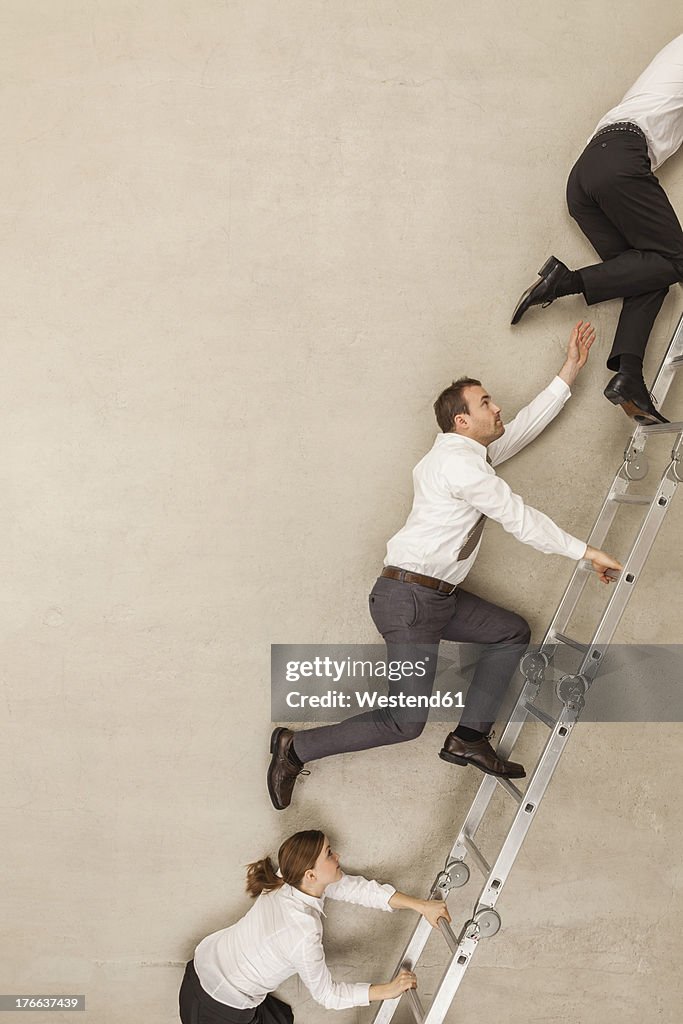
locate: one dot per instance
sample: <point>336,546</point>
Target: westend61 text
<point>372,699</point>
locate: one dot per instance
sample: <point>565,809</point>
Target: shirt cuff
<point>389,890</point>
<point>577,548</point>
<point>361,994</point>
<point>560,388</point>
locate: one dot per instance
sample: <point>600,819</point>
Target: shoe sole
<point>454,759</point>
<point>522,306</point>
<point>632,410</point>
<point>273,748</point>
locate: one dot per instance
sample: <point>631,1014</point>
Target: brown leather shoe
<point>284,768</point>
<point>480,754</point>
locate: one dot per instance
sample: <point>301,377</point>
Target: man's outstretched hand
<point>602,562</point>
<point>580,341</point>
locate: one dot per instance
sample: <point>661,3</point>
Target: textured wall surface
<point>246,242</point>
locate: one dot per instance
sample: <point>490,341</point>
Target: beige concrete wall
<point>245,244</point>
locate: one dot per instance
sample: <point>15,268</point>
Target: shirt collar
<point>460,441</point>
<point>303,897</point>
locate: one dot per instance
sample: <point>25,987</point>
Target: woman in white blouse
<point>235,970</point>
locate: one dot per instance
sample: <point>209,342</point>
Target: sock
<point>569,284</point>
<point>468,735</point>
<point>632,365</point>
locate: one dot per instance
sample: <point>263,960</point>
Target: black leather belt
<point>621,126</point>
<point>392,572</point>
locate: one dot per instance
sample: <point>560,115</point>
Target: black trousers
<point>413,619</point>
<point>625,213</point>
<point>198,1007</point>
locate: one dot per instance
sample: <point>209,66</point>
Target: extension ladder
<point>571,691</point>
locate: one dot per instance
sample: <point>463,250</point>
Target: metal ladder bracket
<point>455,874</point>
<point>636,465</point>
<point>571,690</point>
<point>677,460</point>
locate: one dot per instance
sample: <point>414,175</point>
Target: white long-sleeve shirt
<point>454,484</point>
<point>655,103</point>
<point>282,935</point>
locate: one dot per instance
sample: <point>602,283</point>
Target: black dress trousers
<point>625,213</point>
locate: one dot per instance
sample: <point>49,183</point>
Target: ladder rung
<point>631,499</point>
<point>540,715</point>
<point>571,643</point>
<point>661,428</point>
<point>676,362</point>
<point>510,788</point>
<point>477,856</point>
<point>415,1005</point>
<point>448,934</point>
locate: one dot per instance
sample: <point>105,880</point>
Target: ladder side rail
<point>581,573</point>
<point>409,958</point>
<point>603,635</point>
<point>488,784</point>
<point>666,371</point>
<point>620,484</point>
<point>386,1011</point>
<point>636,560</point>
<point>538,784</point>
<point>487,787</point>
<point>450,980</point>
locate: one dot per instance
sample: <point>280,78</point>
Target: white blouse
<point>281,935</point>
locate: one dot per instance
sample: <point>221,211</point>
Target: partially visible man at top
<point>615,198</point>
<point>418,600</point>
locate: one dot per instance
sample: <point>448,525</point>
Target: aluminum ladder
<point>571,691</point>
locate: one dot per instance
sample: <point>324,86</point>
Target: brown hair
<point>296,855</point>
<point>451,402</point>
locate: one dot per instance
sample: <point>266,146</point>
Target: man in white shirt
<point>417,601</point>
<point>615,198</point>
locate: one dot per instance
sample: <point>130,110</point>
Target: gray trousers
<point>413,619</point>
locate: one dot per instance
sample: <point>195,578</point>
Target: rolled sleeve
<point>362,891</point>
<point>559,388</point>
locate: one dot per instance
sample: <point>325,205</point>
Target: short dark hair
<point>451,402</point>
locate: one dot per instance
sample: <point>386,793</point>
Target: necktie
<point>474,536</point>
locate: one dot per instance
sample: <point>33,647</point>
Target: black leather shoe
<point>631,394</point>
<point>284,768</point>
<point>542,292</point>
<point>480,754</point>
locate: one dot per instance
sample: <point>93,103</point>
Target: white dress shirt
<point>454,484</point>
<point>655,103</point>
<point>282,935</point>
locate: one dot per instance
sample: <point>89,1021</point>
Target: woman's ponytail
<point>262,877</point>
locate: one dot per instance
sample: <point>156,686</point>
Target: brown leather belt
<point>392,572</point>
